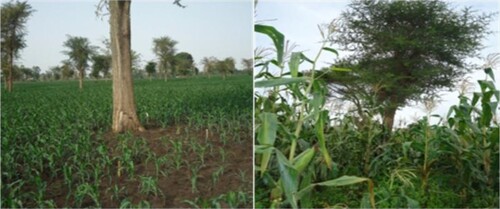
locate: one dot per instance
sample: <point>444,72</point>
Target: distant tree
<point>67,70</point>
<point>209,65</point>
<point>56,72</point>
<point>23,73</point>
<point>150,69</point>
<point>14,16</point>
<point>36,72</point>
<point>405,49</point>
<point>164,49</point>
<point>100,64</point>
<point>184,63</point>
<point>80,52</point>
<point>247,64</point>
<point>226,66</point>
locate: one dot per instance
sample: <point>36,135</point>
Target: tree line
<point>82,56</point>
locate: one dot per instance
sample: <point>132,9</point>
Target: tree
<point>56,72</point>
<point>124,108</point>
<point>150,69</point>
<point>36,72</point>
<point>226,66</point>
<point>406,49</point>
<point>247,64</point>
<point>184,63</point>
<point>14,16</point>
<point>164,49</point>
<point>209,65</point>
<point>67,70</point>
<point>80,52</point>
<point>100,63</point>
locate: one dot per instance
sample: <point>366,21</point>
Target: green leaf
<point>343,181</point>
<point>489,71</point>
<point>411,203</point>
<point>331,50</point>
<point>321,138</point>
<point>486,84</point>
<point>289,177</point>
<point>294,63</point>
<point>266,136</point>
<point>277,37</point>
<point>340,69</point>
<point>305,58</point>
<point>279,81</point>
<point>302,160</point>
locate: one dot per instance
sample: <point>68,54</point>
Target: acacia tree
<point>14,16</point>
<point>404,50</point>
<point>164,49</point>
<point>80,53</point>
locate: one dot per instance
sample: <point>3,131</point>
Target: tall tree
<point>80,52</point>
<point>124,108</point>
<point>14,16</point>
<point>403,50</point>
<point>164,49</point>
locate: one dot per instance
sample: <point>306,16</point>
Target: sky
<point>298,21</point>
<point>204,28</point>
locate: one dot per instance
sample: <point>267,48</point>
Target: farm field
<point>311,152</point>
<point>58,150</point>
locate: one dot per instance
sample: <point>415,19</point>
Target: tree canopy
<point>404,50</point>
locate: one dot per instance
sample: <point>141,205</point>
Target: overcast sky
<point>204,28</point>
<point>298,21</point>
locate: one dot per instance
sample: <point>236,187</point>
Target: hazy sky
<point>298,21</point>
<point>203,28</point>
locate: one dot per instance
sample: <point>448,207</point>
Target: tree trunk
<point>124,110</point>
<point>80,72</point>
<point>389,113</point>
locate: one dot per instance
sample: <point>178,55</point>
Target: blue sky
<point>203,28</point>
<point>298,21</point>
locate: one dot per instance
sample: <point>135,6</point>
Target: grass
<point>57,145</point>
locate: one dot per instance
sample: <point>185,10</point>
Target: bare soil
<point>176,186</point>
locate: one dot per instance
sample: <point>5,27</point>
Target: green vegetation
<point>309,157</point>
<point>58,149</point>
<point>404,51</point>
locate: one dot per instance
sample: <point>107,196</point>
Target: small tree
<point>164,49</point>
<point>247,64</point>
<point>184,63</point>
<point>209,65</point>
<point>226,66</point>
<point>405,49</point>
<point>80,52</point>
<point>100,64</point>
<point>150,69</point>
<point>14,16</point>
